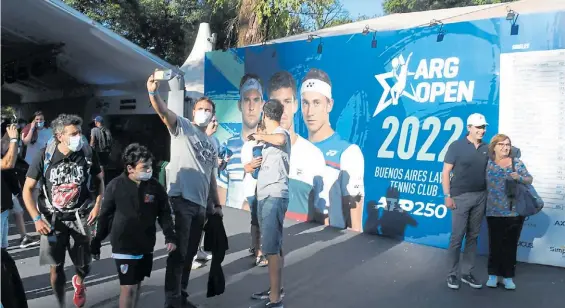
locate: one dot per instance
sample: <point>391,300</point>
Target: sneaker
<point>203,255</point>
<point>251,251</point>
<point>492,281</point>
<point>197,264</point>
<point>267,304</point>
<point>28,241</point>
<point>265,295</point>
<point>509,284</point>
<point>453,282</point>
<point>470,280</point>
<point>80,292</point>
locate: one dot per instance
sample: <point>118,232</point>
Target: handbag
<point>523,196</point>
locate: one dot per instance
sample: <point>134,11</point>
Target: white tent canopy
<point>193,67</point>
<point>95,57</point>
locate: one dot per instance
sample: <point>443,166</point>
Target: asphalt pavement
<point>324,267</point>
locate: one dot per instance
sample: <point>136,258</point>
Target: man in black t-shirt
<point>67,203</point>
<point>465,191</point>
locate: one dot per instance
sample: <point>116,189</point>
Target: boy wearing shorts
<point>132,203</point>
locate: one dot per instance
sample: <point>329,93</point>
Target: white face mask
<point>145,176</point>
<point>75,143</point>
<point>202,117</point>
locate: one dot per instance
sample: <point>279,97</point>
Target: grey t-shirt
<point>273,175</point>
<point>193,159</point>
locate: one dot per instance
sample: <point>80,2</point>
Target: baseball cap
<point>476,119</point>
<point>98,119</point>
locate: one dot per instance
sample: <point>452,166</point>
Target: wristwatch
<point>447,195</point>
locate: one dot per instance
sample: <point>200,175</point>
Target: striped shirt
<point>231,178</point>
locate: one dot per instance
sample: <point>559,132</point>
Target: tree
<point>168,28</point>
<point>406,6</point>
<point>165,28</point>
<point>261,20</point>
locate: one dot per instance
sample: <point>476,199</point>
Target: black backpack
<point>105,142</point>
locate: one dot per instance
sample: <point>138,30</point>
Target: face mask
<point>145,176</point>
<point>75,143</point>
<point>40,124</point>
<point>202,117</point>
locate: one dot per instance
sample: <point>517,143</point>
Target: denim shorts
<point>270,213</point>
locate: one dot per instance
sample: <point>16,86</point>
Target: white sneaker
<point>203,255</point>
<point>197,264</point>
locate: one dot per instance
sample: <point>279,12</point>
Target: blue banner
<point>401,103</point>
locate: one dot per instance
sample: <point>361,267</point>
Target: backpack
<point>49,151</point>
<point>105,142</point>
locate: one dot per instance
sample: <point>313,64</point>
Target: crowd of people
<point>65,194</point>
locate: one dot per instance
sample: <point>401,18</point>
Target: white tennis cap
<point>476,119</point>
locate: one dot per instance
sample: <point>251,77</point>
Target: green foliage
<point>275,19</point>
<point>166,28</point>
<point>405,6</point>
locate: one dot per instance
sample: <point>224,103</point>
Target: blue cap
<point>98,119</point>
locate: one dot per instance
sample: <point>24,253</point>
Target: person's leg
<point>128,295</point>
<point>128,272</point>
<point>13,292</point>
<point>495,248</point>
<point>175,260</point>
<point>508,261</point>
<point>58,281</point>
<point>18,211</point>
<point>54,249</point>
<point>260,259</point>
<point>275,271</point>
<point>79,251</point>
<point>272,212</point>
<point>198,216</point>
<point>476,215</point>
<point>459,217</point>
<point>5,228</point>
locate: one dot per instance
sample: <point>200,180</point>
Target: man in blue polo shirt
<point>464,188</point>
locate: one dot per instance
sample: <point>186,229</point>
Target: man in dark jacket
<point>132,203</point>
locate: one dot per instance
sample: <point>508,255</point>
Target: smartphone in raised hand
<point>163,75</point>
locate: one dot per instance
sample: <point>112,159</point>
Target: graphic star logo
<point>400,73</point>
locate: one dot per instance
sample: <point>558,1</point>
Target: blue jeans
<point>4,228</point>
<point>270,213</point>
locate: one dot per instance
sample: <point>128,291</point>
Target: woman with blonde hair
<point>504,223</point>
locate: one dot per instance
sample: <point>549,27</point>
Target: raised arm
<point>276,139</point>
<point>167,116</point>
<point>9,160</point>
<point>26,139</point>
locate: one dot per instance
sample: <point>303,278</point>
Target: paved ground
<point>324,268</point>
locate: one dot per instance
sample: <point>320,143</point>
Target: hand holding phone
<point>163,75</point>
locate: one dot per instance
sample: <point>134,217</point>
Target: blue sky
<point>363,7</point>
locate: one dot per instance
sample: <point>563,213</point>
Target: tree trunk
<point>249,28</point>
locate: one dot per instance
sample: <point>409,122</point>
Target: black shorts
<point>132,272</point>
